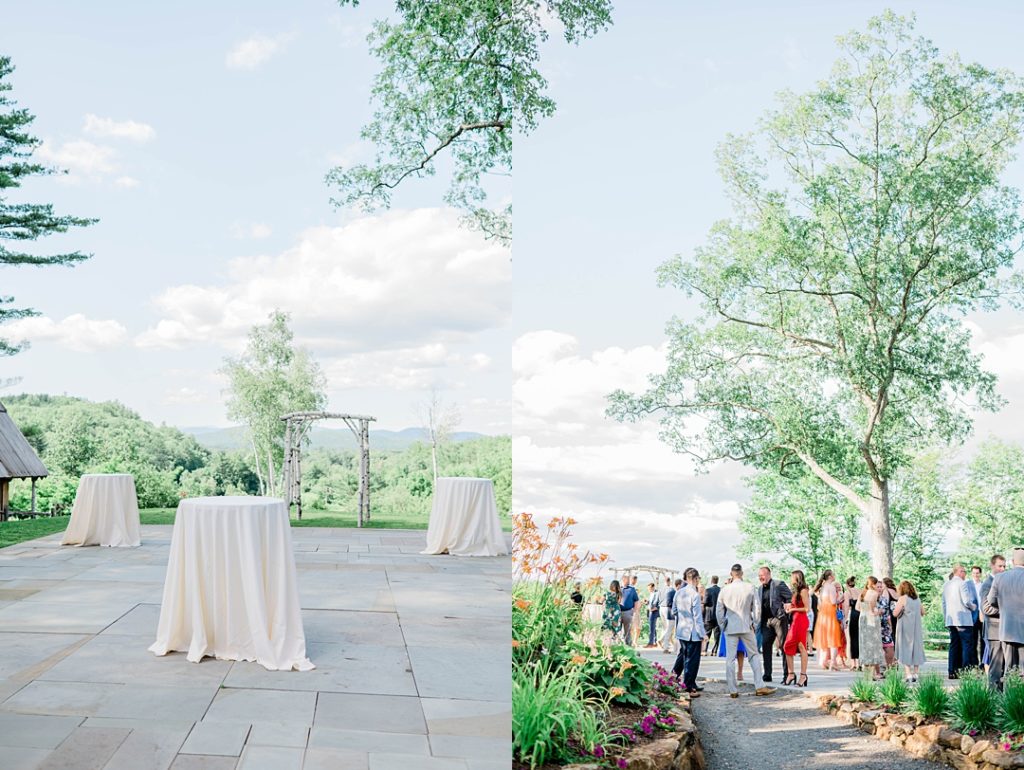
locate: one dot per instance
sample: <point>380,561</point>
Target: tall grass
<point>893,691</point>
<point>973,705</point>
<point>550,712</point>
<point>1011,715</point>
<point>929,698</point>
<point>864,689</point>
<point>544,621</point>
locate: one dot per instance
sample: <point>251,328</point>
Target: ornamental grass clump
<point>893,692</point>
<point>929,698</point>
<point>864,689</point>
<point>973,705</point>
<point>1011,713</point>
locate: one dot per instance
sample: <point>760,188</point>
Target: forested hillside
<point>75,436</point>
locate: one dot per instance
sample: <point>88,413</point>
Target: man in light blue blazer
<point>689,612</point>
<point>1007,596</point>
<point>959,603</point>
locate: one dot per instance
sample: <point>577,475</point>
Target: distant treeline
<point>74,436</point>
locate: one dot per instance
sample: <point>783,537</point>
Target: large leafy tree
<point>21,223</point>
<point>990,500</point>
<point>272,378</point>
<point>456,80</point>
<point>869,217</point>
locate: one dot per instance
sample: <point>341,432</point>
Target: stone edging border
<point>936,742</point>
<point>680,749</point>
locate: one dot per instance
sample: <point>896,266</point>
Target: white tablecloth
<point>464,519</point>
<point>231,591</point>
<point>106,512</point>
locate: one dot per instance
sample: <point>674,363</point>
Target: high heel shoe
<point>789,680</point>
<point>802,681</point>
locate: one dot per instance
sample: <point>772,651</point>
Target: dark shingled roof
<point>17,458</point>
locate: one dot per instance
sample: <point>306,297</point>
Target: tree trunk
<point>881,529</point>
<point>433,456</point>
<point>256,462</point>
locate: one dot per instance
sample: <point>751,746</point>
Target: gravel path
<point>787,731</point>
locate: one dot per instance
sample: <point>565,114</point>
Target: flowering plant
<point>551,557</point>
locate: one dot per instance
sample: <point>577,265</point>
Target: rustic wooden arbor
<point>296,426</point>
<point>658,574</point>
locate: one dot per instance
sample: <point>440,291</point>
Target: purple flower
<point>621,763</point>
<point>599,751</point>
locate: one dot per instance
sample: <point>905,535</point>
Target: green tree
<point>23,222</point>
<point>990,500</point>
<point>272,378</point>
<point>813,528</point>
<point>72,445</point>
<point>868,219</point>
<point>456,80</point>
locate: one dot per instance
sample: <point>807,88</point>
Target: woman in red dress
<point>796,639</point>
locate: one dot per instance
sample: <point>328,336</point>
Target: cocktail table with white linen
<point>231,591</point>
<point>106,512</point>
<point>464,519</point>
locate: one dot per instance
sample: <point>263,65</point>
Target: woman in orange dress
<point>828,631</point>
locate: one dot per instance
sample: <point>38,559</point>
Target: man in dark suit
<point>772,595</point>
<point>991,624</point>
<point>710,621</point>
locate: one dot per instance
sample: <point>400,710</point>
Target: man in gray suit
<point>739,612</point>
<point>958,607</point>
<point>1007,596</point>
<point>990,624</point>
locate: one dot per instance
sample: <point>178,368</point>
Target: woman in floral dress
<point>611,618</point>
<point>871,656</point>
<point>885,606</point>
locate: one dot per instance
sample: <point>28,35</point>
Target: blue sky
<point>199,134</point>
<point>622,179</point>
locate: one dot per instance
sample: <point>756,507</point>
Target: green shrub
<point>893,692</point>
<point>1011,713</point>
<point>864,689</point>
<point>544,620</point>
<point>929,698</point>
<point>973,705</point>
<point>616,672</point>
<point>552,718</point>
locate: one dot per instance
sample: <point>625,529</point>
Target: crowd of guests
<point>870,626</point>
<point>849,626</point>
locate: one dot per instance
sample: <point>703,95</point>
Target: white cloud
<point>632,495</point>
<point>124,129</point>
<point>405,369</point>
<point>395,281</point>
<point>185,395</point>
<point>75,332</point>
<point>254,51</point>
<point>253,230</point>
<point>81,158</point>
<point>127,182</point>
<point>710,65</point>
<point>352,35</point>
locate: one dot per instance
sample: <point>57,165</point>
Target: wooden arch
<point>296,426</point>
<point>657,573</point>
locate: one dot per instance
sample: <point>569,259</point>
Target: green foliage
<point>544,620</point>
<point>831,332</point>
<point>24,222</point>
<point>864,688</point>
<point>551,712</point>
<point>990,500</point>
<point>457,80</point>
<point>893,691</point>
<point>615,670</point>
<point>272,378</point>
<point>930,697</point>
<point>973,705</point>
<point>1011,712</point>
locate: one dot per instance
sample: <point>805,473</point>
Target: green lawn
<point>12,532</point>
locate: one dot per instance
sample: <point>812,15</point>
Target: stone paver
<point>412,655</point>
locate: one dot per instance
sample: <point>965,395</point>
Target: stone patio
<point>412,653</point>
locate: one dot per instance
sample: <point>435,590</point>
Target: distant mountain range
<point>323,438</point>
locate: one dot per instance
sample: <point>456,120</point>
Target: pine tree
<point>21,222</point>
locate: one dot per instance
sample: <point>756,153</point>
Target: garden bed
<point>965,728</point>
